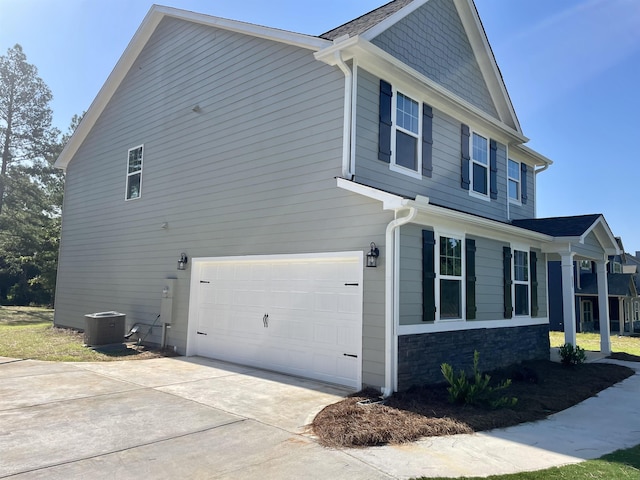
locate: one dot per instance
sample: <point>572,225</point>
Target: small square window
<point>407,113</point>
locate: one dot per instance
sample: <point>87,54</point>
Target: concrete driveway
<point>189,418</point>
<point>194,418</point>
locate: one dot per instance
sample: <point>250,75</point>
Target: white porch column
<point>568,299</point>
<point>603,307</point>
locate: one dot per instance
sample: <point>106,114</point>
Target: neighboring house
<point>622,287</point>
<point>275,161</point>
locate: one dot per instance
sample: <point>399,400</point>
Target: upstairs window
<point>521,281</point>
<point>407,136</point>
<point>405,133</point>
<point>134,173</point>
<point>514,181</point>
<point>479,164</point>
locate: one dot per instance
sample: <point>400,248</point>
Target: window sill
<point>479,196</point>
<point>405,171</point>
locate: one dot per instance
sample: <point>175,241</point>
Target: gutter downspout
<point>346,129</point>
<point>390,298</point>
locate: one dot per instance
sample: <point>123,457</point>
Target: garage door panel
<point>314,310</point>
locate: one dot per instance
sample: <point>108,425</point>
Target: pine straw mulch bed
<point>541,387</point>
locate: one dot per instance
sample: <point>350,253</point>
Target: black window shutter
<point>427,140</point>
<point>523,183</point>
<point>533,271</point>
<point>384,132</point>
<point>428,277</point>
<point>506,262</point>
<point>470,263</point>
<point>493,166</point>
<point>464,144</point>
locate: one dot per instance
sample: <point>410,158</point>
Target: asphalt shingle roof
<point>619,284</point>
<point>366,21</point>
<point>559,226</point>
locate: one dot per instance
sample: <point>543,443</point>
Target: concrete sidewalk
<point>195,418</point>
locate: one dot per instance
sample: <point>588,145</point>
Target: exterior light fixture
<point>182,261</point>
<point>372,256</point>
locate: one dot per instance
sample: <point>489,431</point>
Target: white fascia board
<point>604,235</point>
<point>486,61</point>
<point>384,65</point>
<point>137,43</point>
<point>534,157</point>
<point>140,39</point>
<point>268,33</point>
<point>389,200</point>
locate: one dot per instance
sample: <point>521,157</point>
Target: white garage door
<point>298,314</point>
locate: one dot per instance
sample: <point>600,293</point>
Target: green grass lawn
<point>619,465</point>
<point>591,341</point>
<point>28,333</point>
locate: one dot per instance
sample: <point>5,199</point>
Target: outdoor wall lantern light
<point>182,261</point>
<point>372,256</point>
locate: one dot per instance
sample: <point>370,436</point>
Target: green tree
<point>25,116</point>
<point>30,187</point>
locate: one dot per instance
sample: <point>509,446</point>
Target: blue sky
<point>572,69</point>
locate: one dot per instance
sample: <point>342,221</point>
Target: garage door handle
<point>350,355</point>
<point>201,333</point>
<point>350,284</point>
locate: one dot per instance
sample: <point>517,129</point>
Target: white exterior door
<point>298,314</point>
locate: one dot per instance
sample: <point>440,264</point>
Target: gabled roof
<point>143,34</point>
<point>370,25</point>
<point>361,31</point>
<point>574,226</point>
<point>573,231</point>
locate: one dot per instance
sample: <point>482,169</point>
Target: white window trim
<point>126,185</point>
<point>463,283</point>
<point>527,249</point>
<point>393,166</point>
<point>487,167</point>
<point>514,201</point>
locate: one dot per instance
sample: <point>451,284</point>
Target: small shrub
<point>478,391</point>
<point>570,355</point>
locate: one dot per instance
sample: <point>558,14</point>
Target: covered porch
<point>577,240</point>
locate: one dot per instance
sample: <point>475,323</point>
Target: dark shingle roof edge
<point>571,226</point>
<point>366,21</point>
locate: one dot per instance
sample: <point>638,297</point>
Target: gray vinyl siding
<point>490,279</point>
<point>251,173</point>
<point>489,275</point>
<point>591,248</point>
<point>444,187</point>
<point>518,211</point>
<point>432,40</point>
<point>411,274</point>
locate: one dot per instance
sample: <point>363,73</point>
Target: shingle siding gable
<point>432,40</point>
